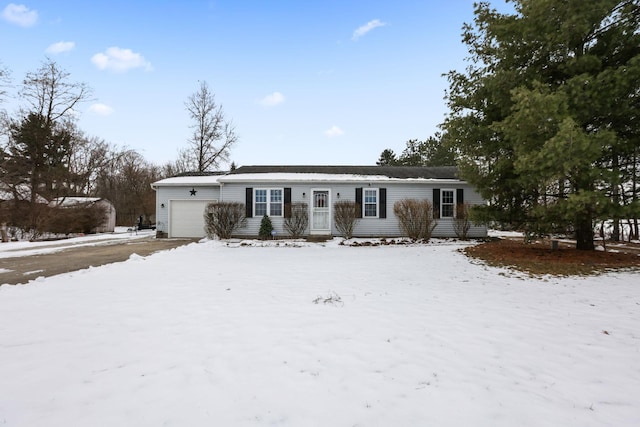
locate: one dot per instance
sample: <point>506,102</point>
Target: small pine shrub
<point>266,227</point>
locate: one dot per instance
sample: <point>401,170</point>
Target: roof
<point>400,172</point>
<point>316,174</point>
<point>73,201</point>
<point>188,180</point>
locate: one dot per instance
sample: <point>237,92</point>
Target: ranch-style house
<point>181,201</point>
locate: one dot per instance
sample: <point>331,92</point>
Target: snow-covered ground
<point>300,334</point>
<point>27,248</point>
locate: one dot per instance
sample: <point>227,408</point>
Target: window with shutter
<point>268,201</point>
<point>447,203</point>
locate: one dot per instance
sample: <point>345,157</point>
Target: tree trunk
<point>615,193</point>
<point>584,232</point>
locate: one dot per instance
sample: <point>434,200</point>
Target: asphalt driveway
<point>22,269</point>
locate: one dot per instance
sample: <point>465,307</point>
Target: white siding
<point>237,193</point>
<point>445,225</point>
<point>366,227</point>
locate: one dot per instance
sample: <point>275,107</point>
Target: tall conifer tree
<point>546,115</point>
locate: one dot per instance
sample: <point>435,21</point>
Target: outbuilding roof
<point>68,201</point>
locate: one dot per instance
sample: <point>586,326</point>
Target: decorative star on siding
<point>193,191</point>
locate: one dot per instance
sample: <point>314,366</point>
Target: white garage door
<point>186,218</point>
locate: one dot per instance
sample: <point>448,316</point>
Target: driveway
<point>22,265</point>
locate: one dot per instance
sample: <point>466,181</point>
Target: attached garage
<point>186,218</point>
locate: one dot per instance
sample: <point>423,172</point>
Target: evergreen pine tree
<point>266,227</point>
<point>544,118</point>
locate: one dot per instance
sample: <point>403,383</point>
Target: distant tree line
<point>434,151</point>
<point>44,155</point>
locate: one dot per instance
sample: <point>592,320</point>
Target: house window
<point>447,204</point>
<point>275,202</point>
<point>370,202</point>
<point>268,201</point>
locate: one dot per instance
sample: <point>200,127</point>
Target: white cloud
<point>20,14</point>
<point>101,109</point>
<point>334,131</point>
<point>364,29</point>
<point>120,60</point>
<point>272,100</point>
<point>61,47</point>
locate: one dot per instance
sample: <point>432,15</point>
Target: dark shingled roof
<point>438,172</point>
<point>195,173</point>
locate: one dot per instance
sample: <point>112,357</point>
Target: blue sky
<point>304,82</point>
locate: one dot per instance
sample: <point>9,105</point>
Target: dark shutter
<point>382,213</point>
<point>287,202</point>
<point>459,202</point>
<point>359,201</point>
<point>436,203</point>
<point>249,202</point>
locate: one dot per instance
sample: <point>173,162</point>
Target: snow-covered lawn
<point>212,334</point>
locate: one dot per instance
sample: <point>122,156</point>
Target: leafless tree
<point>49,93</point>
<point>212,135</point>
<point>5,81</point>
<point>126,182</point>
<point>88,158</point>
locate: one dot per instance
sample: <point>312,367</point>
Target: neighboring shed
<point>180,201</point>
<point>109,222</point>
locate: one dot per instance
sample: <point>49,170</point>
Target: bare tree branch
<point>212,136</point>
<point>50,94</point>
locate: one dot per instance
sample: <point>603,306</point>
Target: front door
<point>320,212</point>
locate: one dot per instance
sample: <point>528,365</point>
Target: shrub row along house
<point>273,190</point>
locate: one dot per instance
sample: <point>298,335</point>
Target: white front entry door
<point>320,212</point>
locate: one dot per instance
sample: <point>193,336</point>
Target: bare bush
<point>332,298</point>
<point>77,219</point>
<point>346,213</point>
<point>416,218</point>
<point>462,222</point>
<point>222,219</point>
<point>297,220</point>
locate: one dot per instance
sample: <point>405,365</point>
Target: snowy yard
<point>216,335</point>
